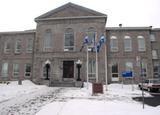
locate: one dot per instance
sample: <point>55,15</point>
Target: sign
<point>127,74</point>
<point>97,88</point>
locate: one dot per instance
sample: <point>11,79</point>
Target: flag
<point>99,44</point>
<point>85,41</point>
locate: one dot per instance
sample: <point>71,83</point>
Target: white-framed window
<point>144,69</point>
<point>92,68</point>
<point>47,40</point>
<point>4,71</point>
<point>152,38</point>
<point>156,69</point>
<point>18,46</point>
<point>91,33</point>
<point>127,44</point>
<point>69,40</point>
<point>29,45</point>
<point>141,43</point>
<point>15,70</point>
<point>28,69</point>
<point>114,72</point>
<point>129,66</point>
<point>113,44</point>
<point>154,54</point>
<point>7,47</point>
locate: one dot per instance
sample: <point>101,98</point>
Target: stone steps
<point>62,84</point>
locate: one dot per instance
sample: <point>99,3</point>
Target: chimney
<point>120,25</point>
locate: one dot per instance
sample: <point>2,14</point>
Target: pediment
<point>70,10</point>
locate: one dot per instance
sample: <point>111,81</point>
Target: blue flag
<point>99,44</point>
<point>85,41</point>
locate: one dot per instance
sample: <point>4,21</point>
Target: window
<point>92,38</point>
<point>129,66</point>
<point>114,44</point>
<point>154,54</point>
<point>127,43</point>
<point>7,47</point>
<point>114,72</point>
<point>18,46</point>
<point>152,38</point>
<point>47,40</point>
<point>28,70</point>
<point>15,70</point>
<point>144,69</point>
<point>141,43</point>
<point>4,72</point>
<point>156,69</point>
<point>92,68</point>
<point>29,45</point>
<point>69,40</point>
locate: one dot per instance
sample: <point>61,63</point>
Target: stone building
<point>57,41</point>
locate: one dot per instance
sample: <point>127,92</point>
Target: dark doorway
<point>68,69</point>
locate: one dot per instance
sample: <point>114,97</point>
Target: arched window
<point>7,47</point>
<point>113,44</point>
<point>141,43</point>
<point>47,39</point>
<point>127,43</point>
<point>69,40</point>
<point>91,33</point>
<point>18,46</point>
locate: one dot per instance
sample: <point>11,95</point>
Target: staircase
<point>62,84</point>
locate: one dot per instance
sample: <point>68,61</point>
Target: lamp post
<point>139,60</point>
<point>47,64</point>
<point>78,65</point>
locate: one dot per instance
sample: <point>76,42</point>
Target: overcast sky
<point>17,15</point>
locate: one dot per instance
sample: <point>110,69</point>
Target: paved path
<point>152,101</point>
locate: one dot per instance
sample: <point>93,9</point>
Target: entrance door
<point>68,69</point>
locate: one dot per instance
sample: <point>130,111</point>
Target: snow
<point>94,107</point>
<point>31,99</point>
<point>116,101</point>
<point>13,89</point>
<point>25,99</point>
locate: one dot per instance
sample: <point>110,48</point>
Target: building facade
<point>58,39</point>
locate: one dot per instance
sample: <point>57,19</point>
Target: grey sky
<point>17,15</point>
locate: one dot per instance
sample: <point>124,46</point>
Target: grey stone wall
<point>11,57</point>
<point>121,56</point>
<point>57,55</point>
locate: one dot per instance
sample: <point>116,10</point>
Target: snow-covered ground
<point>25,99</point>
<point>31,99</point>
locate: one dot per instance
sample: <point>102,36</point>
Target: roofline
<point>156,29</point>
<point>128,28</point>
<point>19,32</point>
<point>65,18</point>
<point>66,5</point>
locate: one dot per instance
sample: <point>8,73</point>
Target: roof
<point>72,10</point>
<point>128,28</point>
<point>19,32</point>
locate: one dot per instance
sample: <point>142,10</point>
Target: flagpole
<point>87,66</point>
<point>96,66</point>
<point>105,53</point>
